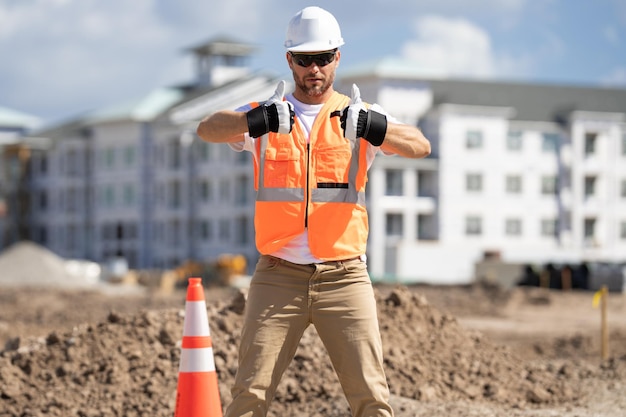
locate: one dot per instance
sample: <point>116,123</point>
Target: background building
<point>15,152</point>
<point>531,173</point>
<point>129,182</point>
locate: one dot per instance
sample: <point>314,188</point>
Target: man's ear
<point>289,61</point>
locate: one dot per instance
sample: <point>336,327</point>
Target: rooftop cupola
<point>221,60</point>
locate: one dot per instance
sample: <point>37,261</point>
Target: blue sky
<point>61,58</point>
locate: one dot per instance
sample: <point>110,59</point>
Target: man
<point>311,153</point>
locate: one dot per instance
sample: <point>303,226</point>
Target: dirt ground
<point>450,351</point>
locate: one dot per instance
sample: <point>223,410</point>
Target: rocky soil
<point>450,351</point>
<point>89,353</point>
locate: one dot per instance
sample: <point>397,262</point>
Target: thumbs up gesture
<point>359,122</point>
<point>274,115</point>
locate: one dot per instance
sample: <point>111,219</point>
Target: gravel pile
<point>29,264</point>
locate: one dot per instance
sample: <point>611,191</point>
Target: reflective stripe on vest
<point>318,195</point>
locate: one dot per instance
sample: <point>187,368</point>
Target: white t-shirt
<point>297,249</point>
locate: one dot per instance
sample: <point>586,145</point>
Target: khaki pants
<point>284,298</point>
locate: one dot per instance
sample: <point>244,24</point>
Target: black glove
<point>371,125</point>
<point>359,122</point>
<point>275,115</point>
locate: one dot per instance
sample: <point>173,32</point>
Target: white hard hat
<point>313,29</point>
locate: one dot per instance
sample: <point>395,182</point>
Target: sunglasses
<point>321,60</point>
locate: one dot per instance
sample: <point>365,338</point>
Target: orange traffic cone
<point>197,394</point>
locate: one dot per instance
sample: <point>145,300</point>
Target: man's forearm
<point>405,140</point>
<point>223,127</point>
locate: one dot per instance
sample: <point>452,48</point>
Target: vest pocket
<point>281,167</point>
<point>333,165</point>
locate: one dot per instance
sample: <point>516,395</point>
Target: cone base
<point>198,395</point>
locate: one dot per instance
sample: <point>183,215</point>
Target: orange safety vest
<point>319,186</point>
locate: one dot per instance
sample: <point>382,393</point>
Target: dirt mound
<point>127,365</point>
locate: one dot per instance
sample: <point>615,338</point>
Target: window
<point>590,143</point>
<point>206,230</point>
<point>513,227</point>
<point>624,144</point>
<point>71,163</point>
<point>426,227</point>
<point>224,229</point>
<point>623,190</point>
<point>108,196</point>
<point>548,185</point>
<point>225,191</point>
<point>71,204</point>
<point>393,182</point>
<point>174,154</point>
<point>205,151</point>
<point>514,141</point>
<point>513,184</point>
<point>159,231</point>
<point>623,230</point>
<point>242,230</point>
<point>206,191</point>
<point>130,156</point>
<point>160,197</point>
<point>119,231</point>
<point>474,182</point>
<point>549,227</point>
<point>129,195</point>
<point>104,232</point>
<point>43,199</point>
<point>426,183</point>
<point>474,139</point>
<point>72,238</point>
<point>241,190</point>
<point>108,158</point>
<point>175,194</point>
<point>550,142</point>
<point>131,230</point>
<point>42,234</point>
<point>175,233</point>
<point>590,227</point>
<point>43,164</point>
<point>590,186</point>
<point>394,224</point>
<point>473,226</point>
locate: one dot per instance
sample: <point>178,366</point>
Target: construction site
<point>79,346</point>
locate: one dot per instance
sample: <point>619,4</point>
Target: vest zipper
<point>306,190</point>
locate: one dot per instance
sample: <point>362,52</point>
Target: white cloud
<point>68,56</point>
<point>478,7</point>
<point>81,54</point>
<point>457,47</point>
<point>75,55</point>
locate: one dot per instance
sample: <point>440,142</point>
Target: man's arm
<point>223,127</point>
<point>227,126</point>
<point>405,140</point>
<point>369,123</point>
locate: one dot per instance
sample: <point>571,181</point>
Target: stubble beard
<point>316,90</point>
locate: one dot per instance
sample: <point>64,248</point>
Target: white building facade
<point>534,173</point>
